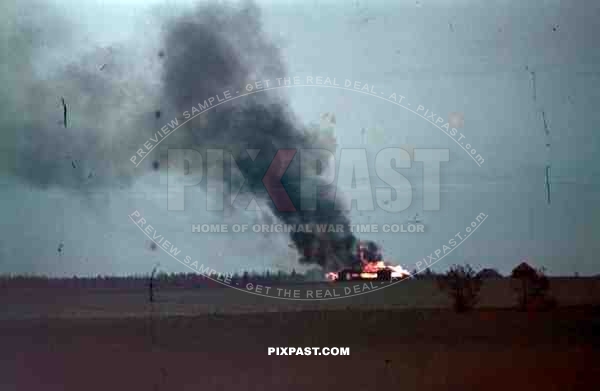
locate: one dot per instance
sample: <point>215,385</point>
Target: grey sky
<point>449,56</point>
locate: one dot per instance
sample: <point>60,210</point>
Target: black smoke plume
<point>222,47</point>
<point>72,116</point>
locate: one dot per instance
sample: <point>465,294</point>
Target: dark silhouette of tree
<point>462,285</point>
<point>531,286</point>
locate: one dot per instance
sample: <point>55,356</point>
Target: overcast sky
<point>501,66</point>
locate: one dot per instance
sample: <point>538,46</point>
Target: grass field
<point>218,340</point>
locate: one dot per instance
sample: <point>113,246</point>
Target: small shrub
<point>462,285</point>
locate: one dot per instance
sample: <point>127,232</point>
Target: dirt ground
<point>432,349</point>
<point>18,302</point>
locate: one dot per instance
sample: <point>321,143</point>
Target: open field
<point>407,349</point>
<point>24,303</point>
<point>216,339</point>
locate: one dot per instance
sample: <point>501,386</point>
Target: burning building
<point>369,265</point>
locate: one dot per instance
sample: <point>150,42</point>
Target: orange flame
<point>370,269</point>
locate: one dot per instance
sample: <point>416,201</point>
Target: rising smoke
<point>106,94</point>
<point>113,96</point>
<point>215,48</point>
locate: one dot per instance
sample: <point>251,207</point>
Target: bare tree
<point>462,284</point>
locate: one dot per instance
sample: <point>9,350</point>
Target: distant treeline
<point>194,280</point>
<point>161,280</point>
<point>181,280</point>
